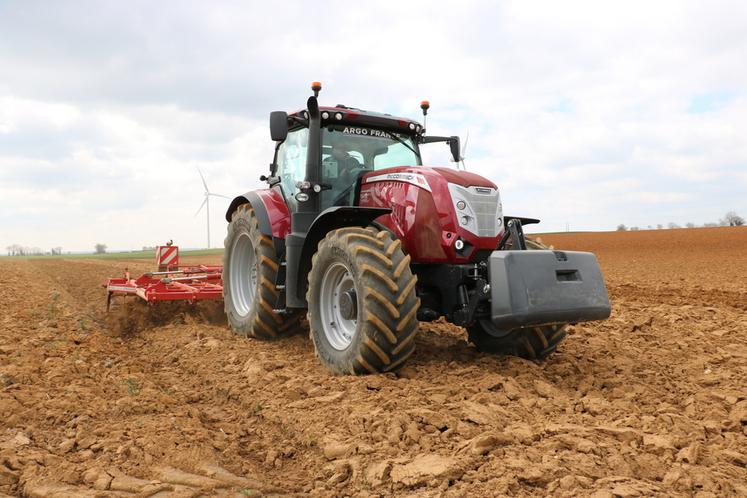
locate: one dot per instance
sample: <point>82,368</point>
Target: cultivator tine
<point>108,301</point>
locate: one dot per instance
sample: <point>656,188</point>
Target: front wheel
<point>362,302</point>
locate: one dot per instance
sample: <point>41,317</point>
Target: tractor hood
<point>463,178</point>
<point>424,176</point>
<point>433,208</point>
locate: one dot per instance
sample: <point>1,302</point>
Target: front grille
<point>486,212</point>
<point>485,206</point>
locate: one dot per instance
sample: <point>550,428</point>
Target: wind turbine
<point>206,203</point>
<point>463,152</point>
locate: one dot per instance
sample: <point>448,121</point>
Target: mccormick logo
<point>401,176</point>
<point>416,179</point>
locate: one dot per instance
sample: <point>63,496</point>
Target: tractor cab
<point>353,142</point>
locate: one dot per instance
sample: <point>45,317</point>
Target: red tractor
<point>357,235</point>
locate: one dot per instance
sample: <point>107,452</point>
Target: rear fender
<point>269,208</point>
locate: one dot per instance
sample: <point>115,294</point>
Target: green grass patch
<point>133,388</point>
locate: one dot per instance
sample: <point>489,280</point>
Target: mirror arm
<point>274,163</point>
<point>299,120</point>
<point>432,139</point>
<point>452,141</point>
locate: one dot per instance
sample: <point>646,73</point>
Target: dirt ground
<point>652,401</point>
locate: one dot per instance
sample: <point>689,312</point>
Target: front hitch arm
<point>516,233</point>
<point>466,314</point>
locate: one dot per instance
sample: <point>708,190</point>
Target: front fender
<point>328,220</point>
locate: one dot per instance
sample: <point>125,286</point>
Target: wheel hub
<point>348,305</point>
<point>242,274</point>
<point>338,306</point>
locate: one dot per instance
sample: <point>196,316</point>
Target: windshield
<point>373,149</point>
<point>349,151</point>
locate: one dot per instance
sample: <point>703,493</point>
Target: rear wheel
<point>535,343</point>
<point>250,266</point>
<point>362,302</point>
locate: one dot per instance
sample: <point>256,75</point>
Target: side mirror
<point>278,125</point>
<point>455,149</point>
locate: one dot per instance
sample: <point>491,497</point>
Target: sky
<point>586,114</point>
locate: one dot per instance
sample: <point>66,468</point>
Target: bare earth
<point>651,402</point>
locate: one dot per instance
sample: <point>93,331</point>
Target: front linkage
<point>516,288</point>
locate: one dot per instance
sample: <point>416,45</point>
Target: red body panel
<point>423,216</point>
<point>277,211</point>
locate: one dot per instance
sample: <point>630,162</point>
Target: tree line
<point>18,250</point>
<point>731,219</point>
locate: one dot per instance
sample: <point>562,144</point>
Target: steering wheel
<point>354,174</point>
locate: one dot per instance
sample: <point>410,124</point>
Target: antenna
<point>206,204</point>
<point>425,105</point>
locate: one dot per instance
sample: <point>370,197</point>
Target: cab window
<point>292,163</point>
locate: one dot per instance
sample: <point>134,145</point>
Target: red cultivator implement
<point>171,282</point>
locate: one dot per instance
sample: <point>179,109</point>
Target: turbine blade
<point>219,195</point>
<point>201,206</point>
<point>203,179</point>
<point>463,153</point>
<point>464,145</point>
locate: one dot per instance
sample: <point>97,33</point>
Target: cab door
<point>291,163</point>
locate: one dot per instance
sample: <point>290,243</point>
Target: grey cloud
<point>156,53</point>
<point>161,87</point>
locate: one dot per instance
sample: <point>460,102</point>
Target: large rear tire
<point>250,266</point>
<point>362,302</point>
<point>535,343</point>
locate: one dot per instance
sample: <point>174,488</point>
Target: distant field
<point>122,255</point>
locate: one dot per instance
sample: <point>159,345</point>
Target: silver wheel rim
<point>338,330</point>
<point>243,272</point>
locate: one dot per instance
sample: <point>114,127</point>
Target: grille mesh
<point>485,207</point>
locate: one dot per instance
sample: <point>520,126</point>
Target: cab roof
<point>341,114</point>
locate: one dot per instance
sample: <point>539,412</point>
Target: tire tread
<point>262,322</point>
<point>387,323</point>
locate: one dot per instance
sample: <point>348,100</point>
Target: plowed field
<point>652,401</point>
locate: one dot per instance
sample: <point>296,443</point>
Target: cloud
<point>589,113</point>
